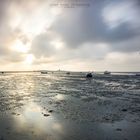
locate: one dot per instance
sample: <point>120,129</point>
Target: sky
<point>92,35</point>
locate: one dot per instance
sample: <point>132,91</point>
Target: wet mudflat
<point>57,106</point>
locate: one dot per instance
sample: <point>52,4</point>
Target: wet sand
<point>58,106</point>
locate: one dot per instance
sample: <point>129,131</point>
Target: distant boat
<point>68,73</point>
<point>137,74</point>
<point>107,72</point>
<point>2,72</point>
<point>89,75</point>
<point>44,72</point>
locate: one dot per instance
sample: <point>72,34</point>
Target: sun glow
<point>20,47</point>
<point>29,59</point>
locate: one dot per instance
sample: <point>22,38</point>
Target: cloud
<point>127,46</point>
<point>41,45</point>
<point>9,35</point>
<point>63,36</point>
<point>77,26</point>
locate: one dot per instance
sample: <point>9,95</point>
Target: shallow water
<point>57,106</point>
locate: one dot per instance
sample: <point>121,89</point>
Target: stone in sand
<point>50,111</point>
<point>124,110</point>
<point>46,115</point>
<point>118,129</point>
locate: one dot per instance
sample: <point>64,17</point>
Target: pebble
<point>124,110</point>
<point>118,129</point>
<point>46,115</point>
<point>50,111</point>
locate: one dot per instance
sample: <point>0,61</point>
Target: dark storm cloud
<point>137,3</point>
<point>87,25</point>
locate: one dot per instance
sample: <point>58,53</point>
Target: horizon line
<point>22,71</point>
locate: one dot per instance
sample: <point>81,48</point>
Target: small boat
<point>68,73</point>
<point>44,72</point>
<point>107,72</point>
<point>89,75</point>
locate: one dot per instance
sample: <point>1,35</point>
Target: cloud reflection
<point>32,119</point>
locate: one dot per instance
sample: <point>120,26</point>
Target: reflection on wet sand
<point>32,119</point>
<point>69,107</point>
<point>30,124</point>
<point>60,97</point>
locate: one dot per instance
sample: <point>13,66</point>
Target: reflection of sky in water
<point>31,125</point>
<point>33,114</point>
<point>60,97</point>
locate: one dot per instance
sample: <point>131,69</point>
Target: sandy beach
<point>58,106</point>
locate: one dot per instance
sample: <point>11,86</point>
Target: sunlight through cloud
<point>29,59</point>
<point>19,46</point>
